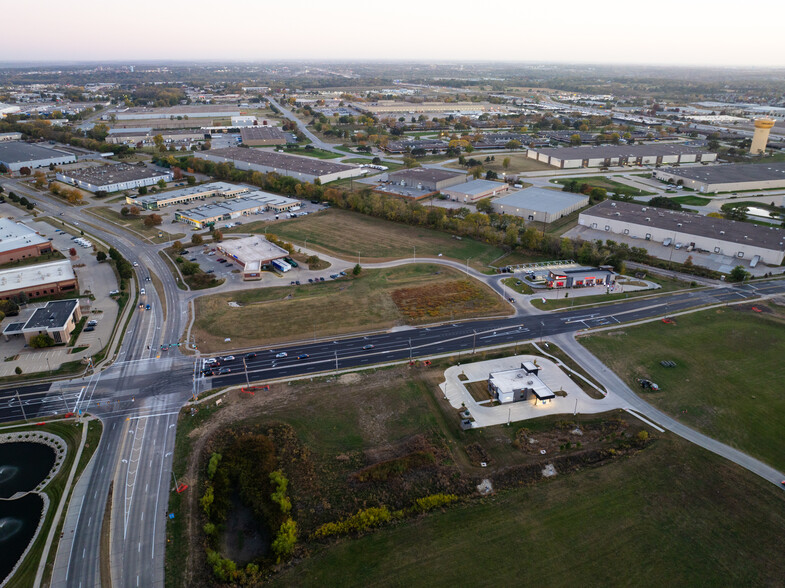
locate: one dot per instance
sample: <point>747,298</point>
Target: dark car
<point>192,259</point>
<point>310,280</point>
<point>303,356</point>
<point>147,307</point>
<point>229,265</point>
<point>369,346</point>
<point>88,329</point>
<point>321,279</point>
<point>224,370</point>
<point>206,373</point>
<point>221,260</point>
<point>210,271</point>
<point>250,355</point>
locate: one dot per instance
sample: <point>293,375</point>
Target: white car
<point>281,354</point>
<point>142,292</point>
<point>136,264</point>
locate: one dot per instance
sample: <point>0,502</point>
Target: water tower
<point>761,136</point>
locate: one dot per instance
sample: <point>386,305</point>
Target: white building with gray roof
<point>540,204</point>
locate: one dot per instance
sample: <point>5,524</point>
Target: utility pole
<point>474,341</point>
<point>19,400</point>
<point>410,349</point>
<point>336,360</point>
<point>245,367</point>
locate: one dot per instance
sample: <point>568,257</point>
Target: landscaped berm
<point>366,479</point>
<point>374,299</point>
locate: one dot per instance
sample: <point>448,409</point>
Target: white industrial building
<point>17,154</point>
<point>145,113</point>
<point>540,204</point>
<point>10,137</point>
<point>252,253</point>
<point>113,178</point>
<point>251,203</point>
<point>616,155</point>
<point>737,239</point>
<point>305,169</point>
<point>189,194</point>
<point>726,178</point>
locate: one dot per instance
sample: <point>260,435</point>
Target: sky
<point>667,32</point>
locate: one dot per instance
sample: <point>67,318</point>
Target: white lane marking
<point>73,540</point>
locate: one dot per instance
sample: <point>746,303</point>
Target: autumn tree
<point>153,220</point>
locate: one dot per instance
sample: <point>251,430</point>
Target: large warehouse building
<point>740,240</point>
<point>190,194</point>
<point>146,136</point>
<point>540,204</point>
<point>259,136</point>
<point>16,154</point>
<point>475,190</point>
<point>615,155</point>
<point>726,178</point>
<point>113,178</point>
<point>143,113</point>
<point>18,241</point>
<point>305,169</point>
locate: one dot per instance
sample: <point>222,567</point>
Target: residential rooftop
<point>687,222</point>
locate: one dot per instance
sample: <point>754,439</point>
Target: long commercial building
<point>16,154</point>
<point>740,240</point>
<point>143,113</point>
<point>726,178</point>
<point>147,136</point>
<point>475,190</point>
<point>252,203</point>
<point>305,169</point>
<point>113,178</point>
<point>184,195</point>
<point>616,155</point>
<point>18,241</point>
<point>44,279</point>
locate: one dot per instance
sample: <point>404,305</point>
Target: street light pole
<point>474,341</point>
<point>19,400</point>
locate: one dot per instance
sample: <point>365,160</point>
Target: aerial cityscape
<point>280,306</point>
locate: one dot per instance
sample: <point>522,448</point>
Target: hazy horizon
<point>670,34</point>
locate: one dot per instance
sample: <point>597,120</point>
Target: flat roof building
<point>10,137</point>
<point>727,177</point>
<point>737,239</point>
<point>190,194</point>
<point>147,136</point>
<point>57,319</point>
<point>540,204</point>
<point>250,203</point>
<point>427,178</point>
<point>615,155</point>
<point>252,252</point>
<point>16,154</point>
<point>113,178</point>
<point>305,169</point>
<point>142,113</point>
<point>519,385</point>
<point>258,136</point>
<point>475,190</point>
<point>18,241</point>
<point>44,279</point>
<point>578,278</point>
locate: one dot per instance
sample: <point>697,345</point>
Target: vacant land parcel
<point>376,299</point>
<point>728,376</point>
<point>347,234</point>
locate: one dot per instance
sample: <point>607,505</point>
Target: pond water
<point>18,522</point>
<point>23,465</point>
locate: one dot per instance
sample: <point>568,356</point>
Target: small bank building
<point>519,385</point>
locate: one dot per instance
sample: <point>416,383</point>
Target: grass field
<point>672,516</point>
<point>728,381</point>
<point>612,186</point>
<point>520,288</point>
<point>135,225</point>
<point>315,152</point>
<point>668,285</point>
<point>377,299</point>
<point>343,233</point>
<point>690,200</point>
<point>518,163</point>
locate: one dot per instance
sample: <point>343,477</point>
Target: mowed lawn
<point>519,162</point>
<point>729,378</point>
<point>673,515</point>
<point>425,293</point>
<point>344,233</point>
